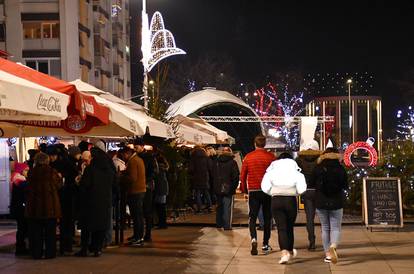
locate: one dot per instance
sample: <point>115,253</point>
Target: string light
<point>405,127</point>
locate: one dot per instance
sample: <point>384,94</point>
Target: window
<point>38,30</point>
<point>48,66</point>
<point>2,32</point>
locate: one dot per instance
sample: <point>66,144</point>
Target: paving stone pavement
<point>208,250</point>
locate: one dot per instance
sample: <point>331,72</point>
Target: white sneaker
<point>294,253</point>
<point>285,258</point>
<point>334,255</point>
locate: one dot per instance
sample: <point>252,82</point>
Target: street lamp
<point>351,135</point>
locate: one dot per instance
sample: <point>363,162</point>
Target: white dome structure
<point>197,100</point>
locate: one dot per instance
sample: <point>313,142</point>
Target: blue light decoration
<point>405,126</point>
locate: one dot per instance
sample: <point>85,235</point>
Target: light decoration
<point>270,102</point>
<point>157,44</point>
<point>367,146</point>
<point>405,127</point>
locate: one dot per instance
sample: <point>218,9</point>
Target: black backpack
<point>330,180</point>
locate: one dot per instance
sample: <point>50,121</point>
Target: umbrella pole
<point>20,156</point>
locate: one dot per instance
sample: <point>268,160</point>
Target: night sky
<point>336,37</point>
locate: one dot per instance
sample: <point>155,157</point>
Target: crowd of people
<point>82,185</point>
<point>273,185</point>
<point>79,187</point>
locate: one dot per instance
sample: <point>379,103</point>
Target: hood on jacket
<point>225,156</point>
<point>329,156</point>
<point>20,167</point>
<point>309,155</point>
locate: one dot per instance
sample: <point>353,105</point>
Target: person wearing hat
<point>151,169</point>
<point>307,161</point>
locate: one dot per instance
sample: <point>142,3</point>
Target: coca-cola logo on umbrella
<point>50,104</point>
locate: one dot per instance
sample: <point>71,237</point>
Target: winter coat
<point>329,168</point>
<point>95,191</point>
<point>42,193</point>
<point>151,168</point>
<point>199,169</point>
<point>161,181</point>
<point>253,169</point>
<point>134,176</point>
<point>307,162</point>
<point>225,174</point>
<point>18,195</point>
<point>283,178</point>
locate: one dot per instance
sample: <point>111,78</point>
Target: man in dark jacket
<point>199,170</point>
<point>307,162</point>
<point>225,182</point>
<point>96,199</point>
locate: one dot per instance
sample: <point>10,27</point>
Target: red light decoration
<point>373,156</point>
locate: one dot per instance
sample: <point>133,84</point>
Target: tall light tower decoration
<point>157,43</point>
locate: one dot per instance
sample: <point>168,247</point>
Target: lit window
<point>38,30</point>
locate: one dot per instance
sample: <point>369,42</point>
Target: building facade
<point>71,39</point>
<point>363,121</point>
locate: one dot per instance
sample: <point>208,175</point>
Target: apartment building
<point>71,39</point>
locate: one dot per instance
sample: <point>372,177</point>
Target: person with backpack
<point>331,181</point>
<point>284,182</point>
<point>225,182</point>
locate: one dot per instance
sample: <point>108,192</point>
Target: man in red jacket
<point>253,169</point>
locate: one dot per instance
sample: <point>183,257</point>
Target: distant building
<point>366,118</point>
<point>71,39</point>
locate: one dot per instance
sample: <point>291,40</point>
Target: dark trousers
<point>42,232</point>
<point>259,199</point>
<point>285,210</point>
<point>162,214</point>
<point>136,208</point>
<point>205,194</point>
<point>96,240</point>
<point>224,211</point>
<point>148,213</point>
<point>309,202</point>
<point>67,223</point>
<point>21,234</point>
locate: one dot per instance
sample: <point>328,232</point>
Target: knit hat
<point>101,145</point>
<point>20,167</point>
<point>74,150</point>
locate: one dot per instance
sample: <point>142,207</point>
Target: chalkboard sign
<point>382,202</point>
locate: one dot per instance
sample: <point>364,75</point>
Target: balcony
<point>50,43</point>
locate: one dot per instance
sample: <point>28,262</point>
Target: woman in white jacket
<point>284,181</point>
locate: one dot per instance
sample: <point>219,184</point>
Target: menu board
<point>382,202</point>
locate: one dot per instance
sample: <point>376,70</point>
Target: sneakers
<point>254,251</point>
<point>294,253</point>
<point>285,257</point>
<point>334,255</point>
<point>267,249</point>
<point>139,242</point>
<point>327,260</point>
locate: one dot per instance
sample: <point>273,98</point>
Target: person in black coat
<point>199,171</point>
<point>161,191</point>
<point>330,180</point>
<point>95,193</point>
<point>225,181</point>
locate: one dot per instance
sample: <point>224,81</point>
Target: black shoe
<point>97,253</point>
<point>254,251</point>
<point>139,242</point>
<point>81,253</point>
<point>312,247</point>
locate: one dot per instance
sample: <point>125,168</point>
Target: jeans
<point>206,195</point>
<point>42,232</point>
<point>309,202</point>
<point>331,221</point>
<point>108,232</point>
<point>224,211</point>
<point>148,213</point>
<point>259,199</point>
<point>136,208</point>
<point>285,210</point>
